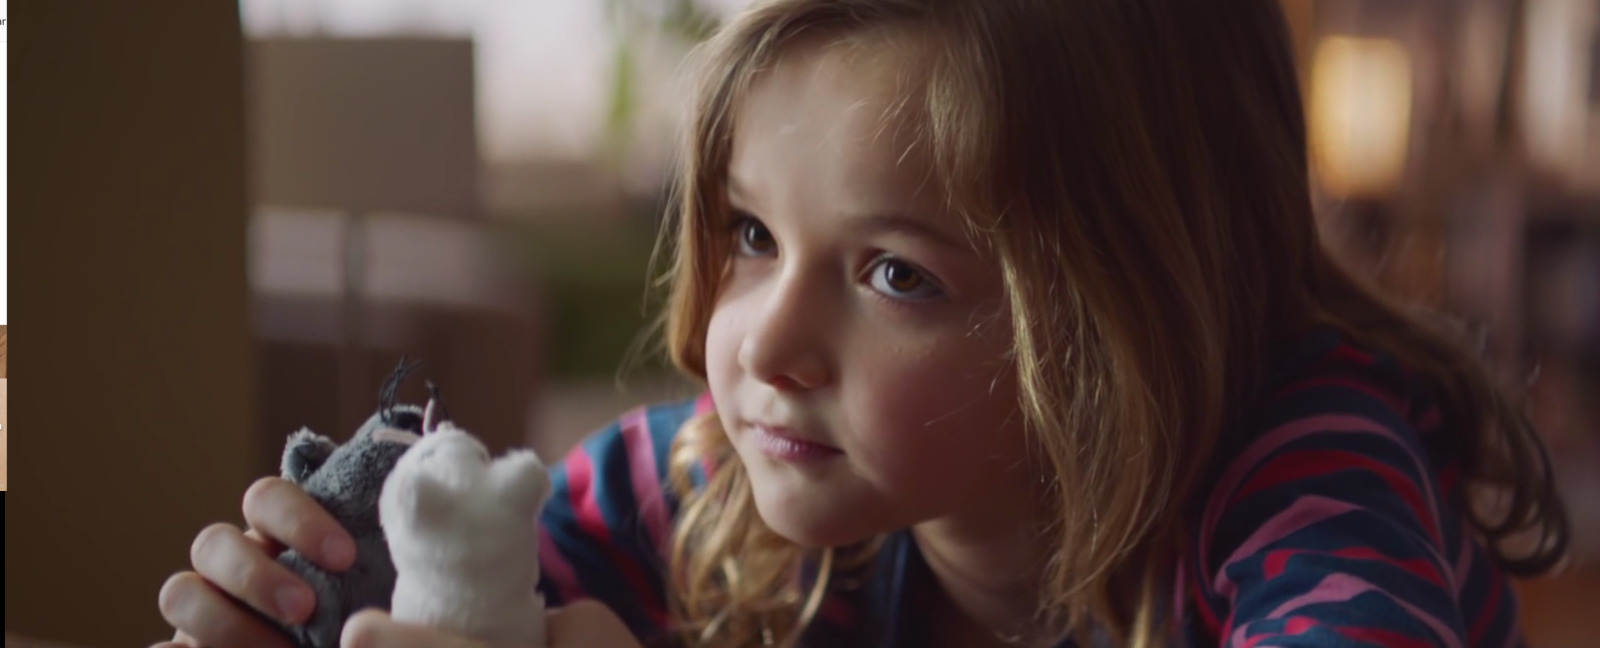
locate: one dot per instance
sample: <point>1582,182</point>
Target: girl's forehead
<point>885,75</point>
<point>837,121</point>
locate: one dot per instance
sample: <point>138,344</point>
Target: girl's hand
<point>235,570</point>
<point>585,624</point>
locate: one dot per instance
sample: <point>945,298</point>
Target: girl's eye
<point>754,238</point>
<point>902,280</point>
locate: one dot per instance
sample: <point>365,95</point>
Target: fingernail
<point>338,551</point>
<point>292,603</point>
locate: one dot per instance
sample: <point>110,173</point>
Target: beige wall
<point>128,207</point>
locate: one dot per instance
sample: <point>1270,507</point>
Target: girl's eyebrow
<point>896,223</point>
<point>735,187</point>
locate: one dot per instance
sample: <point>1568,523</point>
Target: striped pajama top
<point>1334,518</point>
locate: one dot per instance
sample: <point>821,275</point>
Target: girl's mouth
<point>784,445</point>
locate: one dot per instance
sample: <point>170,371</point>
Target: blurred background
<point>241,216</point>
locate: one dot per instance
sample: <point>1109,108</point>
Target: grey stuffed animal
<point>347,481</point>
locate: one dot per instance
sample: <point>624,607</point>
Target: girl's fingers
<point>235,564</point>
<point>183,640</point>
<point>587,624</point>
<point>206,616</point>
<point>279,511</point>
<point>375,629</point>
<point>268,545</point>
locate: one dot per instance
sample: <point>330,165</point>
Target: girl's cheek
<point>910,396</point>
<point>725,333</point>
<point>721,348</point>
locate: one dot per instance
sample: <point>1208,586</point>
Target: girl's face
<point>857,353</point>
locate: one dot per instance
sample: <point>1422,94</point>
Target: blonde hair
<point>1139,169</point>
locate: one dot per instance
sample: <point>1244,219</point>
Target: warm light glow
<point>1360,114</point>
<point>1555,101</point>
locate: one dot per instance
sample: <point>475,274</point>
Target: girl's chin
<point>808,518</point>
<point>812,536</point>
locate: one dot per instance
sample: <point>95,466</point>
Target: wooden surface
<point>149,416</point>
<point>3,425</point>
<point>5,429</point>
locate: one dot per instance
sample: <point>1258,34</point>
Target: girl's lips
<point>782,444</point>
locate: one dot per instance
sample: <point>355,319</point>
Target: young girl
<point>1017,331</point>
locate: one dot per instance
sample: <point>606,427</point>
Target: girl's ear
<point>304,454</point>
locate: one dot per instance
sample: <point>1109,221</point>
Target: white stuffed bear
<point>463,531</point>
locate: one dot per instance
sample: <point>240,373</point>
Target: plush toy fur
<point>463,533</point>
<point>347,480</point>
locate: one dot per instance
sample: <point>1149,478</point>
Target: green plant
<point>683,20</point>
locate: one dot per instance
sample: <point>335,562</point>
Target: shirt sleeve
<point>1329,530</point>
<point>605,531</point>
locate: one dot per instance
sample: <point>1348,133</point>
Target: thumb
<point>376,629</point>
<point>587,624</point>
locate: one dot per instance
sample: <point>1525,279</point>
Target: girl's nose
<point>784,344</point>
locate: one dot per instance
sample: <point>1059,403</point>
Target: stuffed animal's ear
<point>431,499</point>
<point>304,454</point>
<point>521,480</point>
